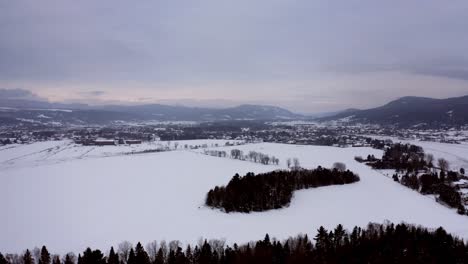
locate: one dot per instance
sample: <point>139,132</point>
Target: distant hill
<point>412,111</point>
<point>17,111</point>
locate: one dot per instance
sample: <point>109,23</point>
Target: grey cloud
<point>18,93</point>
<point>93,93</point>
<point>110,42</point>
<point>114,40</point>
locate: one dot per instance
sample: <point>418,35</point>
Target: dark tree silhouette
<point>113,257</point>
<point>272,190</point>
<point>91,257</point>
<point>27,257</point>
<point>45,256</point>
<point>141,257</point>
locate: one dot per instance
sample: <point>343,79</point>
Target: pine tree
<point>56,260</point>
<point>321,239</point>
<point>92,257</point>
<point>171,259</point>
<point>159,257</point>
<point>45,256</point>
<point>113,257</point>
<point>27,257</point>
<point>188,255</point>
<point>68,259</point>
<point>141,257</point>
<point>131,257</point>
<point>339,235</point>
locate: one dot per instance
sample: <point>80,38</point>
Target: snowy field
<point>50,152</point>
<point>69,197</point>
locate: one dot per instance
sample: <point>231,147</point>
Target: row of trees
<point>431,183</point>
<point>376,243</point>
<point>272,190</point>
<point>252,156</point>
<point>412,161</point>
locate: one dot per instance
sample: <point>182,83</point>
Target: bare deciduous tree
<point>288,162</point>
<point>124,250</point>
<point>443,164</point>
<point>217,245</point>
<point>152,249</point>
<point>36,252</point>
<point>174,244</point>
<point>429,159</point>
<point>163,248</point>
<point>340,166</point>
<point>296,164</point>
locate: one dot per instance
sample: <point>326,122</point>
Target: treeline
<point>432,183</point>
<point>376,243</point>
<point>420,173</point>
<point>252,156</point>
<point>272,190</point>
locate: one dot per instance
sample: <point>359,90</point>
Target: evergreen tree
<point>339,235</point>
<point>113,257</point>
<point>131,257</point>
<point>45,256</point>
<point>171,259</point>
<point>56,260</point>
<point>92,257</point>
<point>69,259</point>
<point>27,257</point>
<point>159,257</point>
<point>141,257</point>
<point>188,255</point>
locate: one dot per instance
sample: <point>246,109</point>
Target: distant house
<point>133,141</point>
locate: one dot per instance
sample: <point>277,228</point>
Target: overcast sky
<point>308,56</point>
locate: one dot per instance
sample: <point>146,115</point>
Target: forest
<point>377,243</point>
<point>272,190</point>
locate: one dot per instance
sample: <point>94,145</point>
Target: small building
<point>132,141</point>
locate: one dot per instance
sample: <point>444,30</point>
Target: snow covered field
<point>49,152</point>
<point>69,197</point>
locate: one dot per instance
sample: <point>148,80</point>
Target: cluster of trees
<point>252,156</point>
<point>412,161</point>
<point>431,183</point>
<point>273,190</point>
<point>293,163</point>
<point>403,157</point>
<point>378,143</point>
<point>376,243</point>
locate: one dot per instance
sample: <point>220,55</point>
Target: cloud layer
<point>303,54</point>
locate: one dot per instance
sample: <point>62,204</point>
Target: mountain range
<point>403,112</point>
<point>411,111</point>
<point>14,111</point>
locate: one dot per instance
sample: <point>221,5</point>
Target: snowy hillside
<point>53,191</point>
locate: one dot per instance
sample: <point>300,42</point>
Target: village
<point>276,132</point>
